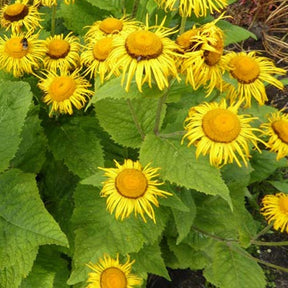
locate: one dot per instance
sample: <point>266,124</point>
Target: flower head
<point>277,130</point>
<point>275,209</point>
<point>95,58</point>
<point>147,55</point>
<point>20,54</point>
<point>130,187</point>
<point>250,72</point>
<point>65,91</point>
<point>198,7</point>
<point>110,273</point>
<point>219,131</point>
<point>15,16</point>
<point>62,52</point>
<point>112,27</point>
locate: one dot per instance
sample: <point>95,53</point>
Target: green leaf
<point>15,99</point>
<point>149,260</point>
<point>233,267</point>
<point>50,269</point>
<point>96,179</point>
<point>32,149</point>
<point>117,117</point>
<point>76,142</point>
<point>234,33</point>
<point>264,165</point>
<point>97,232</point>
<point>24,224</point>
<point>103,4</point>
<point>281,186</point>
<point>85,13</point>
<point>179,165</point>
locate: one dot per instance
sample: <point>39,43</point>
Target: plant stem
<point>161,101</point>
<point>262,232</point>
<point>135,8</point>
<point>262,243</point>
<point>182,25</point>
<point>53,20</point>
<point>172,135</point>
<point>135,119</point>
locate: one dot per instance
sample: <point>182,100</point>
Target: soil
<point>243,16</point>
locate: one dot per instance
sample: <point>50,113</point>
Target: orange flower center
<point>131,183</point>
<point>113,277</point>
<point>280,127</point>
<point>102,49</point>
<point>111,26</point>
<point>62,88</point>
<point>185,40</point>
<point>212,58</point>
<point>143,45</point>
<point>14,48</point>
<point>221,125</point>
<point>58,48</point>
<point>16,12</point>
<point>283,204</point>
<point>245,69</point>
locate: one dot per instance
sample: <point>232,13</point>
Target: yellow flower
<point>64,91</point>
<point>277,130</point>
<point>95,58</point>
<point>20,54</point>
<point>62,52</point>
<point>20,14</point>
<point>202,48</point>
<point>68,2</point>
<point>147,55</point>
<point>130,187</point>
<point>219,131</point>
<point>110,27</point>
<point>46,3</point>
<point>250,71</point>
<point>110,273</point>
<point>275,209</point>
<point>198,7</point>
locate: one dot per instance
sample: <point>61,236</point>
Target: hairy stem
<point>182,25</point>
<point>161,102</point>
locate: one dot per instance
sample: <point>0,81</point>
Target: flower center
<point>58,48</point>
<point>16,12</point>
<point>280,127</point>
<point>14,48</point>
<point>245,69</point>
<point>212,58</point>
<point>143,45</point>
<point>185,40</point>
<point>62,88</point>
<point>283,204</point>
<point>221,125</point>
<point>131,183</point>
<point>111,26</point>
<point>102,49</point>
<point>113,277</point>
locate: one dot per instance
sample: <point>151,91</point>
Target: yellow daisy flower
<point>20,14</point>
<point>147,55</point>
<point>198,7</point>
<point>46,3</point>
<point>110,27</point>
<point>110,273</point>
<point>62,52</point>
<point>95,58</point>
<point>21,54</point>
<point>275,209</point>
<point>250,72</point>
<point>277,130</point>
<point>219,131</point>
<point>203,49</point>
<point>64,91</point>
<point>130,187</point>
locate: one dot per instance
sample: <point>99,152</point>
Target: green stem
<point>135,119</point>
<point>161,102</point>
<point>262,243</point>
<point>135,8</point>
<point>53,20</point>
<point>262,232</point>
<point>182,25</point>
<point>172,135</point>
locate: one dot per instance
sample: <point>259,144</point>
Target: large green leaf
<point>97,232</point>
<point>120,119</point>
<point>232,267</point>
<point>76,142</point>
<point>15,98</point>
<point>32,149</point>
<point>179,165</point>
<point>24,225</point>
